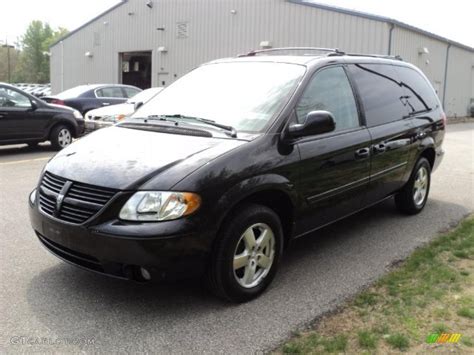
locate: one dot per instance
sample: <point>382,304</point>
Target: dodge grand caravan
<point>217,174</point>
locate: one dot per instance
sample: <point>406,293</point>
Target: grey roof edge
<point>381,19</point>
<point>122,2</point>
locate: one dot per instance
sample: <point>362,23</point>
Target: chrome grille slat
<point>80,203</point>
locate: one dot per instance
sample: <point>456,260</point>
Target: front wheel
<point>247,253</point>
<point>412,198</point>
<point>61,137</point>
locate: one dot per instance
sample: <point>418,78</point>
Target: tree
<point>33,66</point>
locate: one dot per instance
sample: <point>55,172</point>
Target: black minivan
<point>217,174</point>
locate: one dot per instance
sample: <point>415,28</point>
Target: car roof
<point>309,56</point>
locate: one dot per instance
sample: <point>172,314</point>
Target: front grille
<point>78,201</point>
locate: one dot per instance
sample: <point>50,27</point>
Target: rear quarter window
<point>419,95</point>
<point>380,92</point>
<point>110,92</point>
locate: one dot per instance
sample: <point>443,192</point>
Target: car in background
<point>27,119</point>
<point>107,116</point>
<point>89,97</point>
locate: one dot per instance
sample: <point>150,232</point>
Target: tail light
<point>444,119</point>
<point>58,102</point>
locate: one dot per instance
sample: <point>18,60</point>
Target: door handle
<point>1,116</point>
<point>379,148</point>
<point>362,153</point>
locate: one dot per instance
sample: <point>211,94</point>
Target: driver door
<point>15,114</point>
<point>335,166</point>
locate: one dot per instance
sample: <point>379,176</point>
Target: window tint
<point>110,92</point>
<point>14,99</point>
<point>419,95</point>
<point>131,92</point>
<point>380,92</point>
<point>330,90</point>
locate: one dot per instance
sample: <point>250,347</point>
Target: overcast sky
<point>449,18</point>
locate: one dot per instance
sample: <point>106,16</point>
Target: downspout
<point>390,34</point>
<point>446,76</point>
<point>62,66</point>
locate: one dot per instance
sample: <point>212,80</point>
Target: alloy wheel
<point>420,187</point>
<point>254,255</point>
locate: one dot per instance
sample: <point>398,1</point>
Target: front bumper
<point>102,248</point>
<point>94,125</point>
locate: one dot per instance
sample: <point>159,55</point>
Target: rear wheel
<point>247,253</point>
<point>61,137</point>
<point>412,198</point>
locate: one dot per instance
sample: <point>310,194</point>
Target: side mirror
<point>137,105</point>
<point>34,105</point>
<point>317,122</point>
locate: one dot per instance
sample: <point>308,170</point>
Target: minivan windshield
<point>243,95</point>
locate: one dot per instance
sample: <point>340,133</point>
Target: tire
<point>61,137</point>
<point>412,198</point>
<point>234,245</point>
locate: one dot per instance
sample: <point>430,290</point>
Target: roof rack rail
<point>333,51</point>
<point>396,57</point>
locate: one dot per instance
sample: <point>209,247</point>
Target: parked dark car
<point>27,119</point>
<point>89,97</point>
<point>219,172</point>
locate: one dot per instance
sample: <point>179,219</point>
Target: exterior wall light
<point>89,54</point>
<point>265,44</point>
<point>423,50</point>
<point>162,49</point>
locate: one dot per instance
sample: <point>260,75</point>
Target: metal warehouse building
<point>154,42</point>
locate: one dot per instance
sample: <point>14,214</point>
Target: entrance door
<point>136,69</point>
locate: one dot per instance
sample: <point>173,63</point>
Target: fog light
<point>33,197</point>
<point>145,274</point>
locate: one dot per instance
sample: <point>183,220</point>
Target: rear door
<point>385,108</point>
<point>334,167</point>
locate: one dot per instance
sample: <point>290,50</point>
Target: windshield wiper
<point>231,131</point>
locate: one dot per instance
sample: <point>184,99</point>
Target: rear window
<point>419,95</point>
<point>380,92</point>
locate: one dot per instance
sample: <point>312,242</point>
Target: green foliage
<point>33,65</point>
<point>398,341</point>
<point>367,339</point>
<point>317,343</point>
<point>466,312</point>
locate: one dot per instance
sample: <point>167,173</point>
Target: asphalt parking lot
<point>59,308</point>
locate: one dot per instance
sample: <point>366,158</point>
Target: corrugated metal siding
<point>460,86</point>
<point>407,44</point>
<point>213,32</point>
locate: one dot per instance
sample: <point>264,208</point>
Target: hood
<point>120,109</point>
<point>123,158</point>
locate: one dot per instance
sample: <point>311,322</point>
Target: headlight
<point>33,197</point>
<point>159,206</point>
<point>77,114</point>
